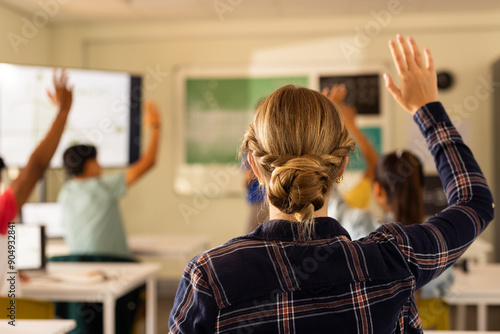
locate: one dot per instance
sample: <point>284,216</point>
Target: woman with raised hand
<point>300,272</point>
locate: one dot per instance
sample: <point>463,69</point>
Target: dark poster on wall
<point>363,91</point>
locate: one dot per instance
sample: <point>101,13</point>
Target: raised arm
<point>432,247</point>
<point>337,94</point>
<point>62,98</point>
<point>148,159</point>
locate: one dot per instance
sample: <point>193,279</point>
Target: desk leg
<point>109,305</point>
<point>151,311</point>
<point>461,317</point>
<point>482,317</point>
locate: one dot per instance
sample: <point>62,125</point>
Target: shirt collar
<point>283,230</point>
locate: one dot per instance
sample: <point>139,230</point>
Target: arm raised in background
<point>62,98</point>
<point>148,159</point>
<point>337,94</point>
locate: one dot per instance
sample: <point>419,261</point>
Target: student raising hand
<point>417,77</point>
<point>62,96</point>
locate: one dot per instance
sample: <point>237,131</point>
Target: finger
<point>397,57</point>
<point>416,52</point>
<point>429,60</point>
<point>391,87</point>
<point>64,78</point>
<point>54,77</point>
<point>337,93</point>
<point>408,55</point>
<point>51,96</point>
<point>325,91</point>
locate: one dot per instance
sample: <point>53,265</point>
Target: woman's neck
<point>276,214</point>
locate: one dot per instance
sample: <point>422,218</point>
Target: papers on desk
<point>82,277</point>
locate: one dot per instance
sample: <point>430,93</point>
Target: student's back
<point>300,272</point>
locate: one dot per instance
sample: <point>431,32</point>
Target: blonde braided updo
<point>298,141</point>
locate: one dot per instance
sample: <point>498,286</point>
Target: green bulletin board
<point>374,135</point>
<point>218,112</point>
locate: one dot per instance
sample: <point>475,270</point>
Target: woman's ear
<point>252,163</point>
<point>344,165</point>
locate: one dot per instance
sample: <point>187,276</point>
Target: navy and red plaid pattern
<point>272,281</point>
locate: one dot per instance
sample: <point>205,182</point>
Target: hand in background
<point>337,94</point>
<point>152,116</point>
<point>418,78</point>
<point>62,96</point>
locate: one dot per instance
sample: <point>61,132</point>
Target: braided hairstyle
<point>298,141</point>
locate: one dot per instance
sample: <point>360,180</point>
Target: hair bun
<point>296,183</point>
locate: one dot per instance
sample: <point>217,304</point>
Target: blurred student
<point>351,208</point>
<point>15,195</point>
<point>255,197</point>
<point>399,191</point>
<point>19,190</point>
<point>300,272</point>
<point>360,195</point>
<point>89,200</point>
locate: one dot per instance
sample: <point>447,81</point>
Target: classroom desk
<point>179,246</point>
<point>25,326</point>
<point>480,287</point>
<point>121,279</point>
<point>478,251</point>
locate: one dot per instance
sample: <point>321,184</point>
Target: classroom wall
<point>25,39</point>
<point>464,43</point>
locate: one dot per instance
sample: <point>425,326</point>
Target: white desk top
<point>38,326</point>
<point>168,245</point>
<point>149,244</point>
<point>61,283</point>
<point>479,285</point>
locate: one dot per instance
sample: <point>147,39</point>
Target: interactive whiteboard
<point>105,113</point>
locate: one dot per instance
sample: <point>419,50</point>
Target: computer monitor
<point>47,214</point>
<point>30,247</point>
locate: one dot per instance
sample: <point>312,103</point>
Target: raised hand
<point>152,116</point>
<point>417,77</point>
<point>62,96</point>
<point>337,94</point>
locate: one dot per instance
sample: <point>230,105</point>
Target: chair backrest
<point>92,258</point>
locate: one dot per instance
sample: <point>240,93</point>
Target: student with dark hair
<point>399,187</point>
<point>89,200</point>
<point>300,272</point>
<point>17,194</point>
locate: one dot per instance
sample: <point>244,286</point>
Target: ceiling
<point>87,11</point>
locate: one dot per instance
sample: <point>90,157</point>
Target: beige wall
<point>465,44</point>
<point>23,39</point>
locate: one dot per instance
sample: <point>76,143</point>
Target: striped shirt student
<point>279,279</point>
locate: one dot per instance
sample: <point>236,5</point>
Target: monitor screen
<point>47,214</point>
<point>30,247</point>
<point>105,113</point>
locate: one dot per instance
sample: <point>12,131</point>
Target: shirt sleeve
<point>8,209</point>
<point>115,183</point>
<point>195,309</point>
<point>432,247</point>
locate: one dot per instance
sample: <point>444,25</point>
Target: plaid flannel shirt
<point>274,281</point>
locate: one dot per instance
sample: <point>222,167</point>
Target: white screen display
<point>47,214</point>
<point>29,247</point>
<point>100,114</point>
